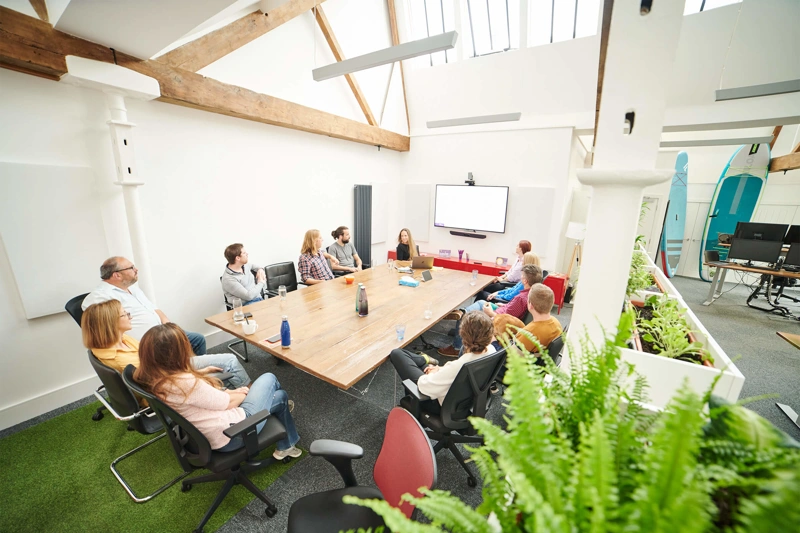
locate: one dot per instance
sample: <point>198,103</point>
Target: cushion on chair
<point>273,431</point>
<point>325,512</point>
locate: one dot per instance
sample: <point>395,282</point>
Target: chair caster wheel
<point>271,511</point>
<point>286,460</point>
<point>97,416</point>
<point>185,487</point>
<point>472,482</point>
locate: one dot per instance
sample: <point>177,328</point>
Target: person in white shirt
<point>477,333</point>
<point>119,277</point>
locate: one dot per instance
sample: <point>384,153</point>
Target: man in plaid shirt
<point>531,275</point>
<point>312,264</point>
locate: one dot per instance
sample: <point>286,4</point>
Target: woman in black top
<point>406,249</point>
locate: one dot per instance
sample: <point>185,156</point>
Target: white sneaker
<point>291,406</point>
<point>283,454</point>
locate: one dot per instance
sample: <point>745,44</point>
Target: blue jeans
<point>198,342</point>
<point>228,363</point>
<point>254,300</point>
<point>266,393</point>
<point>477,306</point>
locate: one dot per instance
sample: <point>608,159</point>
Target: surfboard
<point>675,221</point>
<point>736,197</point>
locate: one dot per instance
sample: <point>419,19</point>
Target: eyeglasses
<point>132,267</point>
<point>125,314</point>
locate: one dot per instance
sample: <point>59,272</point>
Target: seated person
<point>506,295</point>
<point>105,326</point>
<point>119,277</point>
<point>434,381</point>
<point>514,273</point>
<point>312,264</point>
<point>344,251</point>
<point>166,370</point>
<point>238,281</point>
<point>406,249</point>
<point>531,275</point>
<point>545,327</point>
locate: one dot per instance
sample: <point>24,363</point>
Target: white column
<point>641,52</point>
<point>127,177</point>
<point>524,20</point>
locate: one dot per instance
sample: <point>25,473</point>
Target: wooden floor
<point>330,340</point>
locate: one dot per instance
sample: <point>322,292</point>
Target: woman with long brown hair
<point>165,370</point>
<point>312,264</point>
<point>406,248</point>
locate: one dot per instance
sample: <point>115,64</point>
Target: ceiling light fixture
<point>484,119</point>
<point>753,91</point>
<point>428,45</point>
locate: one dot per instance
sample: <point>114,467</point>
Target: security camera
<point>470,180</point>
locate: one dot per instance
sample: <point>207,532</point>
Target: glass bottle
<point>363,304</point>
<point>358,294</point>
<point>286,333</point>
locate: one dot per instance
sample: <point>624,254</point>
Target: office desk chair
<point>406,462</point>
<point>242,356</point>
<point>281,274</point>
<point>73,307</point>
<point>125,407</point>
<point>193,451</point>
<point>468,396</point>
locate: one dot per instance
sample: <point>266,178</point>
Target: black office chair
<point>281,274</point>
<point>468,396</point>
<point>73,307</point>
<point>242,356</point>
<point>194,452</point>
<point>125,407</point>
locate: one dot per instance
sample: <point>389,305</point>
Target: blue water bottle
<point>286,333</point>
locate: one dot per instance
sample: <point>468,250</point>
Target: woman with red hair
<point>514,274</point>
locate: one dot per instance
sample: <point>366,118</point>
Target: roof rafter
<point>327,31</point>
<point>775,133</point>
<point>41,9</point>
<point>203,51</point>
<point>395,42</point>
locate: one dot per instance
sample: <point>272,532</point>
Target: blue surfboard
<point>736,197</point>
<point>675,221</point>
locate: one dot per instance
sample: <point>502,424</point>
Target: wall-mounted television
<point>471,207</point>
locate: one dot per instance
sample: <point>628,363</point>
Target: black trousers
<point>494,287</point>
<point>409,365</point>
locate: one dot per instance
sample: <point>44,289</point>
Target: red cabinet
<point>483,267</point>
<point>557,282</point>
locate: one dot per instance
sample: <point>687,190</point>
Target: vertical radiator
<point>362,222</point>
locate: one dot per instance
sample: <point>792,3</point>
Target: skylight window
<point>433,17</point>
<point>696,6</point>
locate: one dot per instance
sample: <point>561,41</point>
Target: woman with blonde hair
<point>507,294</point>
<point>406,248</point>
<point>312,264</point>
<point>104,325</point>
<point>166,371</point>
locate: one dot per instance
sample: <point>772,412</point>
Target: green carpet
<point>56,477</point>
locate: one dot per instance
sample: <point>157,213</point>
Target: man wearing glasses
<point>119,283</point>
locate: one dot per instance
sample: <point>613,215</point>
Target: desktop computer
<point>792,261</point>
<point>755,250</point>
<point>761,231</point>
<point>793,235</point>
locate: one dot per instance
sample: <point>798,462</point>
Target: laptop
<point>422,262</point>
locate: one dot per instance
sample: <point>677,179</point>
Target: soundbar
<point>471,235</point>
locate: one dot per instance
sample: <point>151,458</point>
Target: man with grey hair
<point>119,277</point>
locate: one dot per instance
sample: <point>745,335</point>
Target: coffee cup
<point>249,327</point>
<point>349,279</point>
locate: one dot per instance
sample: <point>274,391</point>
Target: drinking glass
<point>474,279</point>
<point>390,263</point>
<point>238,313</point>
<point>428,311</point>
<point>400,329</point>
<point>282,292</point>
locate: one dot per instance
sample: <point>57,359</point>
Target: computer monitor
<point>792,256</point>
<point>755,250</point>
<point>793,235</point>
<point>761,231</point>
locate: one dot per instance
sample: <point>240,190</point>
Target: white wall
<point>210,180</point>
<point>522,158</point>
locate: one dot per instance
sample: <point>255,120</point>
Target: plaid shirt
<point>516,307</point>
<point>314,267</point>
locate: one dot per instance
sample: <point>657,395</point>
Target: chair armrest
<point>270,293</point>
<point>222,376</point>
<point>340,455</point>
<point>249,422</point>
<point>413,390</point>
<point>335,448</point>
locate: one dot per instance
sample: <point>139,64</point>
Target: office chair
<point>73,307</point>
<point>468,396</point>
<point>406,462</point>
<point>281,274</point>
<point>125,407</point>
<point>194,452</point>
<point>229,307</point>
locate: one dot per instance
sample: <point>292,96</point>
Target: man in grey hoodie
<point>238,280</point>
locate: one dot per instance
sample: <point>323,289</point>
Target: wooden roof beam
<point>327,31</point>
<point>213,46</point>
<point>775,133</point>
<point>784,163</point>
<point>41,9</point>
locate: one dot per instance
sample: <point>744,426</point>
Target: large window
<point>432,17</point>
<point>696,6</point>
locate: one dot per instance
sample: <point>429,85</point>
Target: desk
<point>766,276</point>
<point>453,263</point>
<point>794,340</point>
<point>331,342</point>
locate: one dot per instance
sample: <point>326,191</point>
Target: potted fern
<point>581,454</point>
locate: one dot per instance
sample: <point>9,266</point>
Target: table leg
<point>788,411</point>
<point>713,289</point>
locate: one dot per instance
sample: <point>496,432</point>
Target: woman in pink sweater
<point>165,370</point>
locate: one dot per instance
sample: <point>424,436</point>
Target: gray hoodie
<point>241,284</point>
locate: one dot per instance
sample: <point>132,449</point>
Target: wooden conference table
<point>715,291</point>
<point>330,340</point>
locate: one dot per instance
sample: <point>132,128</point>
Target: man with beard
<point>344,251</point>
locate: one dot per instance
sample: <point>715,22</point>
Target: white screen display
<point>471,207</point>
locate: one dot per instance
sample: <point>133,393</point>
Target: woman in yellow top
<point>104,326</point>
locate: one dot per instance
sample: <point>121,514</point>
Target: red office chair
<point>405,463</point>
